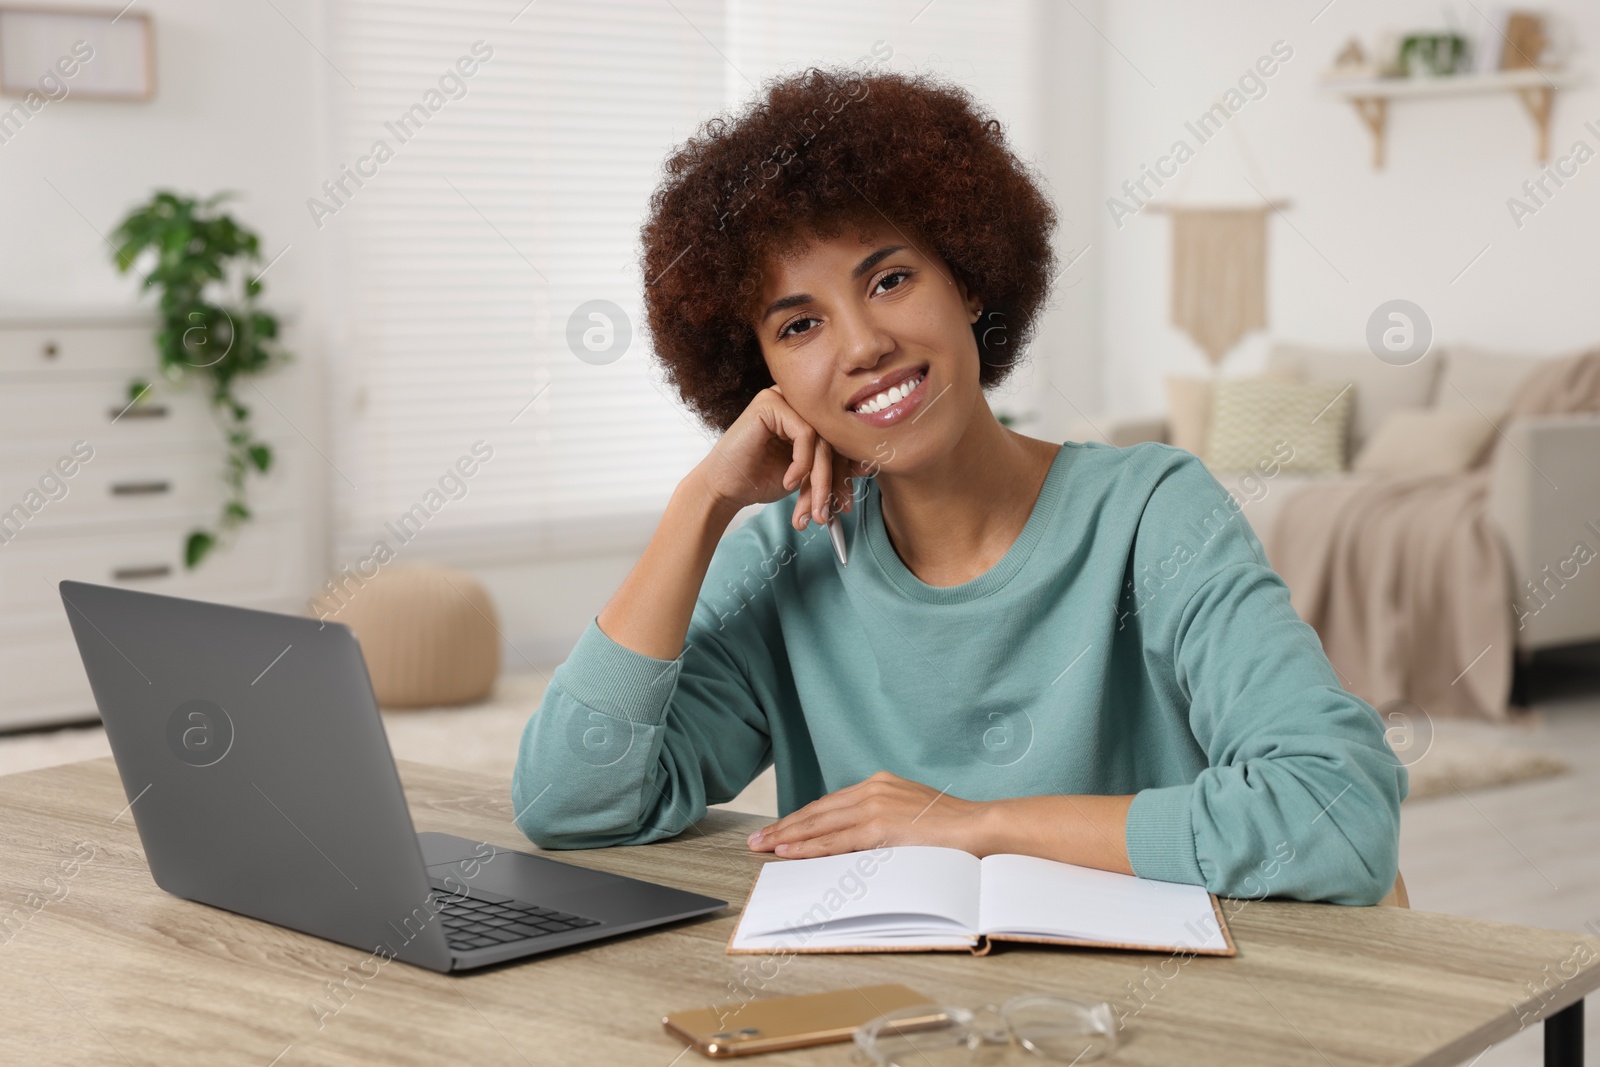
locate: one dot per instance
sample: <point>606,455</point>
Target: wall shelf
<point>1370,97</point>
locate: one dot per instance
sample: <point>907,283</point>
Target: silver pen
<point>836,531</point>
<point>836,534</point>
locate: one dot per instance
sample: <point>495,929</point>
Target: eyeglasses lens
<point>908,1039</point>
<point>1061,1029</point>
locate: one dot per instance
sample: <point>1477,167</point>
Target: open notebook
<point>915,898</point>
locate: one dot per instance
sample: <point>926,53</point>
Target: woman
<point>1070,651</point>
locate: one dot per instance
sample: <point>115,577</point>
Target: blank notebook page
<point>1029,896</point>
<point>910,894</point>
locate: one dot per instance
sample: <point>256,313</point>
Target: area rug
<point>1465,755</point>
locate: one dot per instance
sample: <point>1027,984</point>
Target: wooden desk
<point>115,971</point>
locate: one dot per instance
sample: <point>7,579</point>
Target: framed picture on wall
<point>61,52</point>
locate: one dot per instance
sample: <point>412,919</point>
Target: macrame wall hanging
<point>1218,275</point>
<point>1219,266</point>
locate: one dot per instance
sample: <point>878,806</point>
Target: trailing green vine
<point>210,326</point>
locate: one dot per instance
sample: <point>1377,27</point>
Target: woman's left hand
<point>883,810</point>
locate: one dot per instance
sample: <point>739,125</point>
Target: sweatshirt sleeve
<point>1302,794</point>
<point>625,748</point>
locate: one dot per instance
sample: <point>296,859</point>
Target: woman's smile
<point>894,399</point>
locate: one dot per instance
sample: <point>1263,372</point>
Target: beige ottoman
<point>430,634</point>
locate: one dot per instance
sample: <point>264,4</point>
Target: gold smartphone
<point>774,1023</point>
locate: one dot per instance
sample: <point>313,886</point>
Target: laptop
<point>260,779</point>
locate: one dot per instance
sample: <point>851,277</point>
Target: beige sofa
<point>1544,484</point>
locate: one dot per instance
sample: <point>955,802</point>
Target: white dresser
<point>122,516</point>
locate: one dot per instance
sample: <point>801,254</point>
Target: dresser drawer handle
<point>153,411</point>
<point>140,488</point>
<point>130,574</point>
<point>51,350</point>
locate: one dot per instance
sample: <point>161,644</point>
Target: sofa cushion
<point>1379,387</point>
<point>1188,423</point>
<point>1425,442</point>
<point>1188,413</point>
<point>1253,418</point>
<point>1482,381</point>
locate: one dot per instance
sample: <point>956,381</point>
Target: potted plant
<point>203,263</point>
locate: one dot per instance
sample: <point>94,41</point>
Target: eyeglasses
<point>1056,1028</point>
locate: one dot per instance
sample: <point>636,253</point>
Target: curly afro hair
<point>824,148</point>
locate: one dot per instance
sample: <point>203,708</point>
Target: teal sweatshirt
<point>1134,639</point>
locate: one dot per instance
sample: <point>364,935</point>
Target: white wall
<point>1065,372</point>
<point>237,103</point>
<point>1353,237</point>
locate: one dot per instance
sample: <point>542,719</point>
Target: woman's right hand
<point>768,452</point>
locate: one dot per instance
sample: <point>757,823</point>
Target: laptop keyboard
<point>473,922</point>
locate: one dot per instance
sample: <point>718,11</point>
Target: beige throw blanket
<point>1406,580</point>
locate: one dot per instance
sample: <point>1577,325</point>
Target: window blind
<point>488,173</point>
